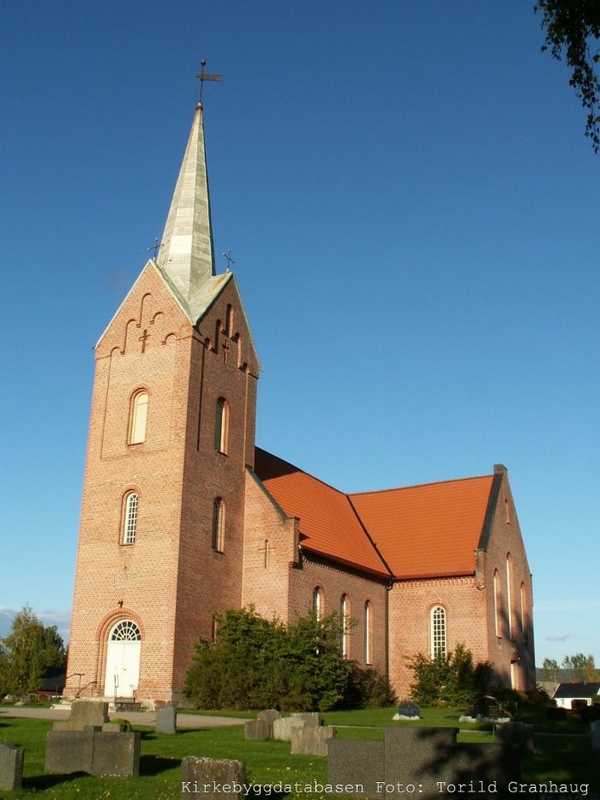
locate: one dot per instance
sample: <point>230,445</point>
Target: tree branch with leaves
<point>572,32</point>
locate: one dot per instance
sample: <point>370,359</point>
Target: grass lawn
<point>558,758</point>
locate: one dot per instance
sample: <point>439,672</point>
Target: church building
<point>184,517</point>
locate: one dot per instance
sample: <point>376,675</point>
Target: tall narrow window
<point>438,631</point>
<point>221,425</point>
<point>367,627</point>
<point>218,527</point>
<point>318,602</point>
<point>497,604</point>
<point>229,320</point>
<point>345,625</point>
<point>509,595</point>
<point>524,616</point>
<point>130,518</point>
<point>139,415</point>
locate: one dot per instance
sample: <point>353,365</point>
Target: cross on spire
<point>230,260</point>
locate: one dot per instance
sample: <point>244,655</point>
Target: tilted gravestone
<point>213,778</point>
<point>311,741</point>
<point>11,767</point>
<point>166,720</point>
<point>84,713</point>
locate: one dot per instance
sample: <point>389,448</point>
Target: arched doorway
<point>123,653</point>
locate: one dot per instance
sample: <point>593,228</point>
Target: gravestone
<point>309,740</point>
<point>93,751</point>
<point>516,735</point>
<point>69,751</point>
<point>166,720</point>
<point>213,778</point>
<point>257,730</point>
<point>11,767</point>
<point>311,718</point>
<point>486,706</point>
<point>116,754</point>
<point>84,713</point>
<point>357,765</point>
<point>408,711</point>
<point>282,728</point>
<point>426,762</point>
<point>270,715</point>
<point>595,728</point>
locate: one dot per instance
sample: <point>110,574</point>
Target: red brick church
<point>184,517</point>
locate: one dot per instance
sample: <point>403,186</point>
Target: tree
<point>550,667</point>
<point>256,663</point>
<point>449,680</point>
<point>572,29</point>
<point>27,652</point>
<point>583,666</point>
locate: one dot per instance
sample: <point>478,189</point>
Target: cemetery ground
<point>563,754</point>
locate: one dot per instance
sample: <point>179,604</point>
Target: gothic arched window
<point>221,425</point>
<point>318,602</point>
<point>138,417</point>
<point>218,525</point>
<point>368,626</point>
<point>345,623</point>
<point>130,518</point>
<point>438,631</point>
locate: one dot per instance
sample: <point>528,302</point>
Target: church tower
<point>171,436</point>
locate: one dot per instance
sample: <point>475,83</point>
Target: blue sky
<point>412,208</point>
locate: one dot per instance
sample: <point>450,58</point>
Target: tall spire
<point>186,253</point>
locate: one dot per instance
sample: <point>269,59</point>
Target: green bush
<point>254,663</point>
<point>449,680</point>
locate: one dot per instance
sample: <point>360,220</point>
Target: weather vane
<point>206,76</point>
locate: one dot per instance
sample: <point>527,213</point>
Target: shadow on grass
<point>154,765</point>
<point>39,783</point>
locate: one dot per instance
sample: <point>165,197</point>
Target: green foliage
<point>255,663</point>
<point>26,652</point>
<point>583,666</point>
<point>449,680</point>
<point>572,27</point>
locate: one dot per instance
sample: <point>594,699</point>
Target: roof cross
<point>230,260</point>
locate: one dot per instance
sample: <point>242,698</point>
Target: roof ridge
<point>420,485</point>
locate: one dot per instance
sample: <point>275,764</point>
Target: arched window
<point>221,425</point>
<point>524,614</point>
<point>368,622</point>
<point>345,625</point>
<point>438,631</point>
<point>497,604</point>
<point>125,631</point>
<point>130,518</point>
<point>218,525</point>
<point>138,417</point>
<point>229,320</point>
<point>509,595</point>
<point>318,602</point>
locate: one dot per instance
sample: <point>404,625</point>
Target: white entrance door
<point>123,660</point>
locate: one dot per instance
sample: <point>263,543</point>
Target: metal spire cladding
<point>186,254</point>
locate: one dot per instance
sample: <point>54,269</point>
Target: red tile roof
<point>328,524</point>
<point>427,530</point>
<point>420,531</point>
